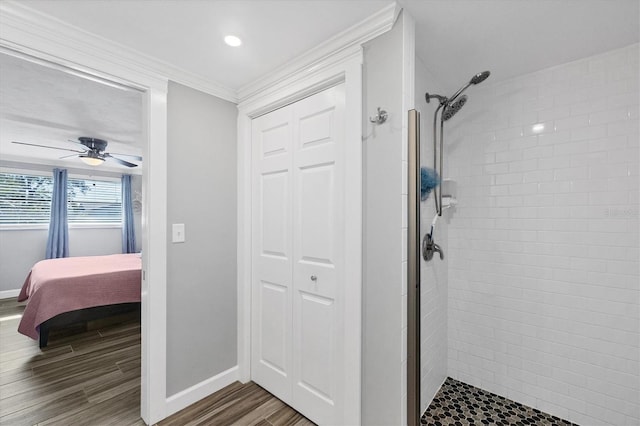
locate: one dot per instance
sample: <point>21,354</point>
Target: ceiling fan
<point>91,152</point>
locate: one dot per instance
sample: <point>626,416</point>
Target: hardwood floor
<point>238,405</point>
<point>84,378</point>
<point>93,378</point>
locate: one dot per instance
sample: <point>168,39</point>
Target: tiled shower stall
<point>537,299</point>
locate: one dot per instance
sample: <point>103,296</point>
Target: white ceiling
<point>454,38</point>
<point>48,106</point>
<point>189,33</point>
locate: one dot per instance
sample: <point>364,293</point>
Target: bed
<point>73,289</point>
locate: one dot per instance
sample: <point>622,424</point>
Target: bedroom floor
<point>81,377</point>
<point>93,378</point>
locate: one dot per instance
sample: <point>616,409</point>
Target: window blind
<point>94,201</point>
<point>26,199</point>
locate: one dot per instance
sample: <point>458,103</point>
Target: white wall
<point>201,272</point>
<point>383,250</point>
<point>543,277</point>
<point>433,285</point>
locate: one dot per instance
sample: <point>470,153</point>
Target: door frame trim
<point>345,67</point>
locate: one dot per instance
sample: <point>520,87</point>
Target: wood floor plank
<point>210,403</point>
<point>227,415</point>
<point>260,413</point>
<point>107,412</point>
<point>286,416</point>
<point>41,358</point>
<point>45,410</point>
<point>105,389</point>
<point>304,422</point>
<point>14,375</point>
<point>130,364</point>
<point>103,348</point>
<point>36,359</point>
<point>85,362</point>
<point>120,329</point>
<point>14,344</point>
<point>43,391</point>
<point>22,352</point>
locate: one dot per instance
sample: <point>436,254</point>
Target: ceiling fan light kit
<point>91,160</point>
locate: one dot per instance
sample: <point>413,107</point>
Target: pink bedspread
<point>55,286</point>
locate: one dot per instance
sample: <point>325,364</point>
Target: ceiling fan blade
<point>133,157</point>
<point>124,163</point>
<point>68,156</point>
<point>50,147</point>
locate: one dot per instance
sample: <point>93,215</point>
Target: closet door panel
<point>318,235</point>
<point>272,252</point>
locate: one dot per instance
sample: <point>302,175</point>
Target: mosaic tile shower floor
<point>459,404</point>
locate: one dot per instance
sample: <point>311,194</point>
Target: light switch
<point>177,233</point>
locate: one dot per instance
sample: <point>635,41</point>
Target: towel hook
<point>380,117</point>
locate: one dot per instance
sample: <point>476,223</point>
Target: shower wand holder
<point>429,247</point>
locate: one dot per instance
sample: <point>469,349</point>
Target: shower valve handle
<point>437,249</point>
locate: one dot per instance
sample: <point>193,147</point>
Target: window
<point>26,200</point>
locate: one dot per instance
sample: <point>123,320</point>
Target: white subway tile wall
<point>544,242</point>
<point>433,291</point>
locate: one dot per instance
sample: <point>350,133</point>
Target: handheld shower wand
<point>448,108</point>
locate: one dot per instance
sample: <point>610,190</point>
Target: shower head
<point>452,108</point>
<point>476,79</point>
<point>480,77</point>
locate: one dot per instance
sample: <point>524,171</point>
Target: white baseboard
<point>201,390</point>
<point>6,294</point>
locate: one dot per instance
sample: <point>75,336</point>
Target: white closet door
<point>298,254</point>
<point>318,235</point>
<point>271,363</point>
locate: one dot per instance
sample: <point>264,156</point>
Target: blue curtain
<point>128,229</point>
<point>58,241</point>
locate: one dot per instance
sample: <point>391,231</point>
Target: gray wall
<point>382,222</point>
<point>20,249</point>
<point>201,272</point>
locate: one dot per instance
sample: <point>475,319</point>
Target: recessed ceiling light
<point>233,41</point>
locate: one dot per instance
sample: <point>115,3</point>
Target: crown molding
<point>29,31</point>
<point>371,27</point>
<point>298,85</point>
